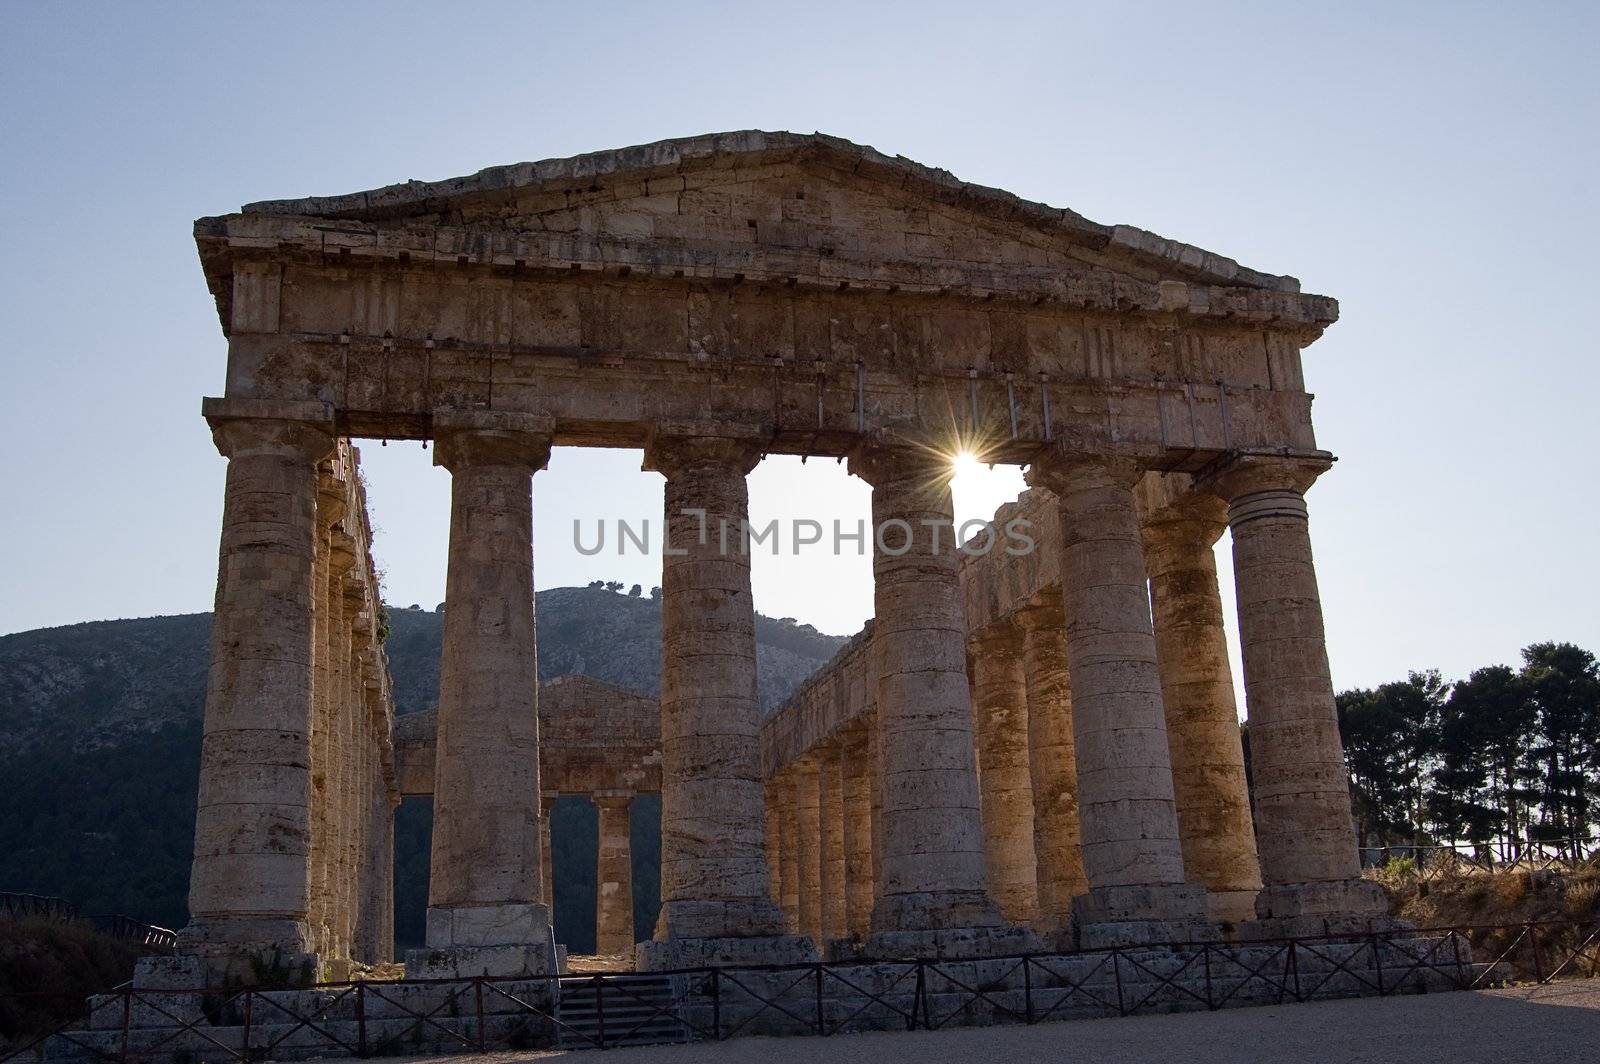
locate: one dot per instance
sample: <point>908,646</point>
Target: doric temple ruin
<point>1030,749</point>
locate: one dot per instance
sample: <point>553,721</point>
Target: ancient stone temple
<point>1027,744</point>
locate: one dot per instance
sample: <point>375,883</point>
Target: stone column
<point>1208,780</point>
<point>774,810</point>
<point>613,921</point>
<point>1052,765</point>
<point>1304,830</point>
<point>875,790</point>
<point>858,833</point>
<point>547,871</point>
<point>485,898</point>
<point>788,853</point>
<point>358,616</point>
<point>1000,706</point>
<point>1131,851</point>
<point>714,903</point>
<point>932,892</point>
<point>830,815</point>
<point>808,846</point>
<point>331,501</point>
<point>250,886</point>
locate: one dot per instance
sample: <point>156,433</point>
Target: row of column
<point>293,846</point>
<point>1109,792</point>
<point>930,869</point>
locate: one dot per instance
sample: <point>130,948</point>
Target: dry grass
<point>49,968</point>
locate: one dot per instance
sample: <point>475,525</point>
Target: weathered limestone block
<point>713,827</point>
<point>614,876</point>
<point>1132,854</point>
<point>250,889</point>
<point>932,875</point>
<point>1208,778</point>
<point>1304,830</point>
<point>1000,706</point>
<point>1052,764</point>
<point>485,907</point>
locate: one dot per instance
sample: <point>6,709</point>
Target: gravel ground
<point>1559,1024</point>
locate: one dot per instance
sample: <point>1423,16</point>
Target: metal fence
<point>483,1014</point>
<point>1439,861</point>
<point>43,907</point>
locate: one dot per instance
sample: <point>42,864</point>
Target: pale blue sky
<point>1432,166</point>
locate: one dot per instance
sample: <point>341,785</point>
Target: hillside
<point>99,746</point>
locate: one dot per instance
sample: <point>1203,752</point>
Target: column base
<point>249,951</point>
<point>509,939</point>
<point>1231,906</point>
<point>673,953</point>
<point>1338,907</point>
<point>934,910</point>
<point>946,943</point>
<point>1140,915</point>
<point>730,919</point>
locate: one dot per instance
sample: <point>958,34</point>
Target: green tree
<point>1563,682</point>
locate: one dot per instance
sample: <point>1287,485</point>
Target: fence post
<point>1116,974</point>
<point>1377,960</point>
<point>716,1004</point>
<point>820,1028</point>
<point>249,1012</point>
<point>1538,958</point>
<point>1205,958</point>
<point>917,999</point>
<point>600,1007</point>
<point>361,1019</point>
<point>477,988</point>
<point>1027,988</point>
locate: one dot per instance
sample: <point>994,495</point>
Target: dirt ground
<point>1559,1023</point>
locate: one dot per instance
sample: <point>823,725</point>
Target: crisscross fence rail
<point>484,1014</point>
<point>1441,861</point>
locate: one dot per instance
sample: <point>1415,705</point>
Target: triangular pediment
<point>780,190</point>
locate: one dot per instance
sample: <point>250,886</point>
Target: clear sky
<point>1432,166</point>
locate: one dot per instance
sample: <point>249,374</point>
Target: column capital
<point>1061,471</point>
<point>307,441</point>
<point>882,460</point>
<point>1247,474</point>
<point>491,438</point>
<point>1043,613</point>
<point>612,799</point>
<point>672,453</point>
<point>1002,638</point>
<point>1193,521</point>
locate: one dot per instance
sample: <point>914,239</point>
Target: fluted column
<point>932,873</point>
<point>614,877</point>
<point>808,846</point>
<point>331,505</point>
<point>1000,706</point>
<point>1213,800</point>
<point>788,852</point>
<point>714,899</point>
<point>1132,855</point>
<point>547,872</point>
<point>485,897</point>
<point>830,816</point>
<point>358,616</point>
<point>250,885</point>
<point>774,828</point>
<point>857,765</point>
<point>1304,830</point>
<point>1052,764</point>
